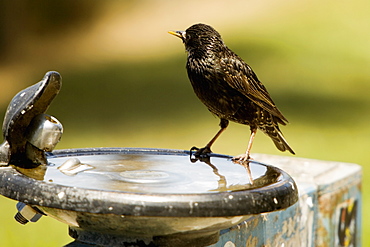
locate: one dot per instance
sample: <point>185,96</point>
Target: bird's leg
<point>243,159</point>
<point>250,143</point>
<point>246,156</point>
<point>207,149</point>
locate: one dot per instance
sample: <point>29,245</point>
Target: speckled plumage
<point>228,86</point>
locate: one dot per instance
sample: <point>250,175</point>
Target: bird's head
<point>199,37</point>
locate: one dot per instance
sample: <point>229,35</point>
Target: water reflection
<point>37,173</point>
<point>146,173</point>
<point>222,185</point>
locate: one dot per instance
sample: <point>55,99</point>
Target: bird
<point>229,88</point>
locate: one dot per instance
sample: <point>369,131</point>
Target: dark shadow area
<point>319,109</point>
<point>126,92</point>
<point>121,93</point>
<point>135,92</point>
<point>22,22</point>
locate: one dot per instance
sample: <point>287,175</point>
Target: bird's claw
<point>201,152</point>
<point>242,158</point>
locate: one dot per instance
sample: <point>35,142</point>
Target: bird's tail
<point>277,137</point>
<point>282,144</point>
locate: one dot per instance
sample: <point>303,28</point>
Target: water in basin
<point>143,173</point>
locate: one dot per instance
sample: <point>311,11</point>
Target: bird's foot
<point>242,158</point>
<point>201,152</point>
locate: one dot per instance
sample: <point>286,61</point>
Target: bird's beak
<point>179,34</point>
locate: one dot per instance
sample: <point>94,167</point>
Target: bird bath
<point>115,196</point>
<point>127,194</point>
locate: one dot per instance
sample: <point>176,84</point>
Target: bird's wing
<point>241,77</point>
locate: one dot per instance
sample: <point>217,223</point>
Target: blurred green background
<point>125,84</point>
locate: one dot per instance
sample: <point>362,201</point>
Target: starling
<point>229,88</point>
